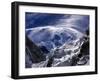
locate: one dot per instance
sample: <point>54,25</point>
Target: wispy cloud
<point>80,22</point>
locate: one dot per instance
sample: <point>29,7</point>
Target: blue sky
<point>80,22</point>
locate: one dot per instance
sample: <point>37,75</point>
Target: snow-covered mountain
<point>62,46</point>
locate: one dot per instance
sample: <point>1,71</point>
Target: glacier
<point>56,46</point>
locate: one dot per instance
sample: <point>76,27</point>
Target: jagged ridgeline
<point>53,47</point>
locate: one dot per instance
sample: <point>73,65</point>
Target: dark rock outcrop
<point>34,52</point>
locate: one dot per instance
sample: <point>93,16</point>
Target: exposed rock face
<point>84,52</point>
<point>33,53</point>
<point>54,47</point>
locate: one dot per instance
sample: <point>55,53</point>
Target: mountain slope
<point>61,45</point>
